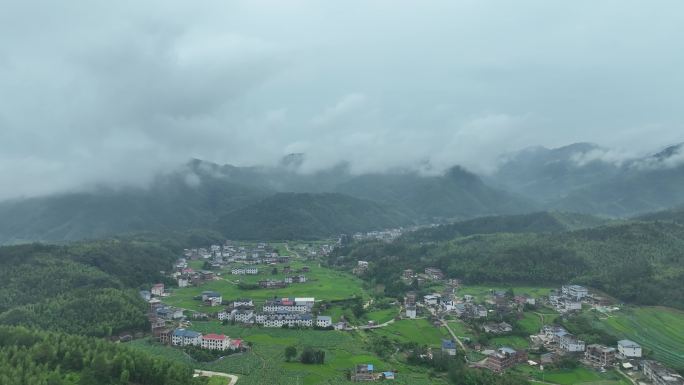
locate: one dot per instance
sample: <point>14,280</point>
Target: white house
<point>251,270</point>
<point>411,311</point>
<point>576,292</point>
<point>223,315</point>
<point>431,299</point>
<point>569,343</point>
<point>215,342</point>
<point>237,271</point>
<point>183,282</point>
<point>183,337</point>
<point>158,289</point>
<point>629,348</point>
<point>323,321</point>
<point>243,302</point>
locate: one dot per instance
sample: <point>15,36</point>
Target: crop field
<point>658,329</point>
<point>515,342</point>
<point>462,330</point>
<point>265,364</point>
<point>322,283</point>
<point>480,292</point>
<point>580,375</point>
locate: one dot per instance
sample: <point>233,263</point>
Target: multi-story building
<point>570,344</point>
<point>504,358</point>
<point>575,292</point>
<point>600,355</point>
<point>411,311</point>
<point>629,349</point>
<point>323,321</point>
<point>661,375</point>
<point>215,342</point>
<point>184,337</point>
<point>158,289</point>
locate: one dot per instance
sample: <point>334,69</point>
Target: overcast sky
<point>115,91</point>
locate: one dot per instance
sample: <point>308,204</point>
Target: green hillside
<point>541,222</point>
<point>637,262</point>
<point>308,216</point>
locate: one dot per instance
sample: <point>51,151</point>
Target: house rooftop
<point>628,344</point>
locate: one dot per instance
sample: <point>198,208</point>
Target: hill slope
<point>308,216</point>
<point>639,262</point>
<point>541,222</point>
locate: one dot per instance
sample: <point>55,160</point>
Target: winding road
<point>205,373</point>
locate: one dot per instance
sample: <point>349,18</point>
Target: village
<point>479,324</point>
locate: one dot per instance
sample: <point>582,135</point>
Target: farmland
<point>322,283</point>
<point>658,329</point>
<point>266,362</point>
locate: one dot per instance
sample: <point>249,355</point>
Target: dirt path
<point>205,373</point>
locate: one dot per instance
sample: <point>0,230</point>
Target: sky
<point>114,92</point>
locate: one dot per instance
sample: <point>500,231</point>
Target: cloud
<point>114,93</point>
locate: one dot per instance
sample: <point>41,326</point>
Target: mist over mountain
<point>580,178</point>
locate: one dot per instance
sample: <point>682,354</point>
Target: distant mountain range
<point>282,202</point>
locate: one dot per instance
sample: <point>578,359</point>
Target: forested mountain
<point>639,262</point>
<point>87,287</point>
<point>456,194</point>
<point>308,216</point>
<point>42,358</point>
<point>547,175</point>
<point>586,178</point>
<point>178,201</point>
<point>204,195</point>
<point>541,222</point>
<point>673,215</point>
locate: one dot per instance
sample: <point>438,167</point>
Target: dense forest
<point>31,357</point>
<point>638,262</point>
<point>87,287</point>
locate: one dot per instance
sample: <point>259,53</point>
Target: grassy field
<point>481,292</point>
<point>580,375</point>
<point>658,329</point>
<point>530,323</point>
<point>416,330</point>
<point>265,364</point>
<point>514,342</point>
<point>322,283</point>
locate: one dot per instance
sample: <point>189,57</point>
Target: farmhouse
<point>497,328</point>
<point>183,337</point>
<point>363,372</point>
<point>183,281</point>
<point>570,344</point>
<point>575,292</point>
<point>449,347</point>
<point>281,319</point>
<point>599,355</point>
<point>411,311</point>
<point>504,358</point>
<point>434,273</point>
<point>629,349</point>
<point>215,342</point>
<point>158,290</point>
<point>243,302</point>
<point>290,305</point>
<point>323,321</point>
<point>660,375</point>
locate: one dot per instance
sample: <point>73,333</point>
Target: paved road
<point>204,373</point>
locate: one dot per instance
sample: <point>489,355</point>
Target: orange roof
<point>214,337</point>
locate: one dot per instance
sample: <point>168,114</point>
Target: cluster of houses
<point>388,235</point>
<point>367,372</point>
<point>277,312</point>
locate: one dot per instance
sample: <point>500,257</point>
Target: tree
<point>290,353</point>
<point>274,271</point>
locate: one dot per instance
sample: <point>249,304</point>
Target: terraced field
<point>658,329</point>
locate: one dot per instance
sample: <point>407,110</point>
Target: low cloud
<point>114,93</point>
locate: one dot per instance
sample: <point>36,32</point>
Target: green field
<point>580,375</point>
<point>514,342</point>
<point>413,330</point>
<point>481,292</point>
<point>265,364</point>
<point>530,323</point>
<point>322,283</point>
<point>658,329</point>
